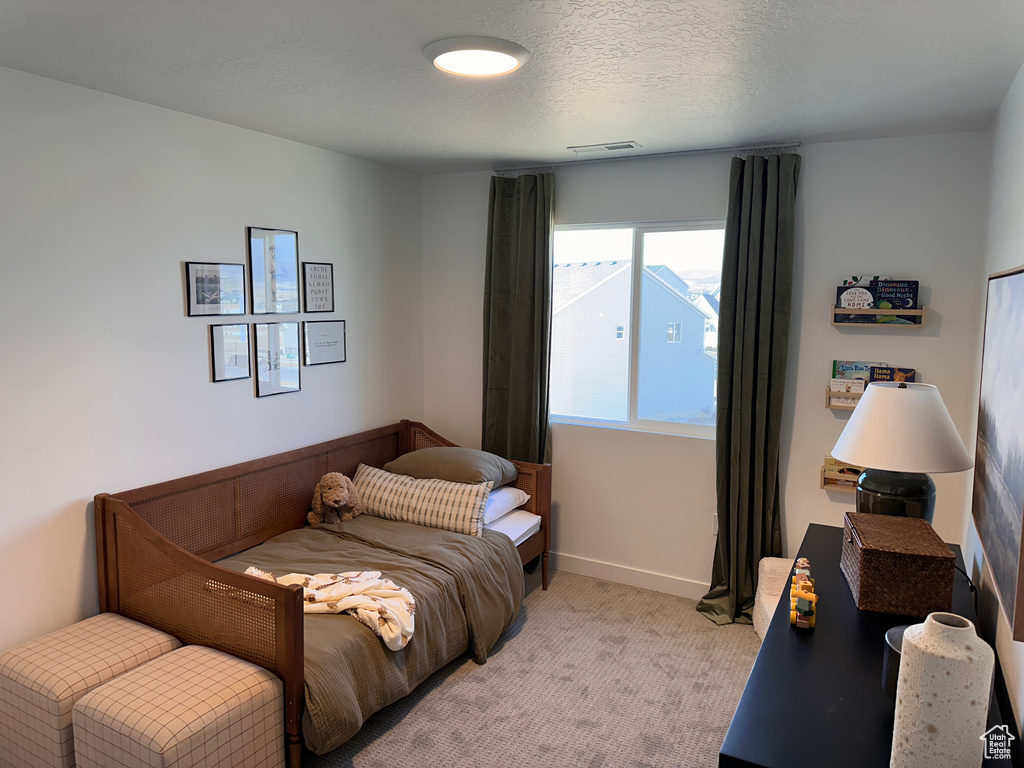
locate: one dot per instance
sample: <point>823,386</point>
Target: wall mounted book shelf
<point>917,318</point>
<point>841,401</point>
<point>832,481</point>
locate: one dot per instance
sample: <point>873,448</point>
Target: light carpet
<point>591,673</point>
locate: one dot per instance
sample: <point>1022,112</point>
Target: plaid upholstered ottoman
<point>192,708</point>
<point>41,680</point>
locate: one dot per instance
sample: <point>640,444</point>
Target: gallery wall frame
<point>214,289</point>
<point>998,500</point>
<point>276,349</point>
<point>317,286</point>
<point>273,270</point>
<point>229,352</point>
<point>323,342</point>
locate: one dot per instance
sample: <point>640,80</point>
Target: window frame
<point>633,423</point>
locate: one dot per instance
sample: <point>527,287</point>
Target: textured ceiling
<point>348,75</point>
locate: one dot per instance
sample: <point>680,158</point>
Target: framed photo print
<point>229,347</point>
<point>318,286</point>
<point>215,289</point>
<point>324,341</point>
<point>274,271</point>
<point>998,503</point>
<point>277,358</point>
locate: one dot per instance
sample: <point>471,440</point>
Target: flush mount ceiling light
<point>476,56</point>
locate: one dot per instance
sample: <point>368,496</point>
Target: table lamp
<point>899,432</point>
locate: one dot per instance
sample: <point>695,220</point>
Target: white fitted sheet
<point>518,525</point>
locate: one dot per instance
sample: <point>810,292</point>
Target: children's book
<point>853,369</point>
<point>848,385</point>
<point>888,373</point>
<point>895,294</point>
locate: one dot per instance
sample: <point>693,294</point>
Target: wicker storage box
<point>896,565</point>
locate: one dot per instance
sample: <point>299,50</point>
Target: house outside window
<point>666,278</point>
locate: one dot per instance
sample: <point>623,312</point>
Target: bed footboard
<point>146,577</point>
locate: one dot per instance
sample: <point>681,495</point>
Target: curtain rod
<point>679,153</point>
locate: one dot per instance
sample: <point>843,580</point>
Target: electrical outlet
<point>714,524</point>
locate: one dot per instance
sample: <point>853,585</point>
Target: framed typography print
<point>274,271</point>
<point>214,289</point>
<point>277,358</point>
<point>318,286</point>
<point>998,503</point>
<point>229,348</point>
<point>324,341</point>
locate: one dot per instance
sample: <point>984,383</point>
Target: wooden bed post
<point>106,556</point>
<point>290,653</point>
<point>407,443</point>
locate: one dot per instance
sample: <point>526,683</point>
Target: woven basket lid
<point>903,535</point>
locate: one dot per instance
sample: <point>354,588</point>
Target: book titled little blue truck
<point>853,369</point>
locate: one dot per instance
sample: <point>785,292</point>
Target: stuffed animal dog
<point>334,498</point>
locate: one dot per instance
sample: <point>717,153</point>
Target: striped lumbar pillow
<point>434,503</point>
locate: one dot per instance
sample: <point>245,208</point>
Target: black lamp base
<point>903,494</point>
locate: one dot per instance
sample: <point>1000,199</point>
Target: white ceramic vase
<point>942,695</point>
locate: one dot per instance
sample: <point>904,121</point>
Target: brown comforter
<point>467,590</point>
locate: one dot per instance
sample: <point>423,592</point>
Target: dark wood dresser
<point>814,697</point>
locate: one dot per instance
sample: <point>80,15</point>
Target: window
<point>666,278</point>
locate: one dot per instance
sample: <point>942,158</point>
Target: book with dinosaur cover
<point>895,294</point>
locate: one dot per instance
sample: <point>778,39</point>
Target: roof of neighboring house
<point>675,292</point>
<point>571,281</point>
<point>670,278</point>
<point>713,301</point>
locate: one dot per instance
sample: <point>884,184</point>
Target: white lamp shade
<point>902,428</point>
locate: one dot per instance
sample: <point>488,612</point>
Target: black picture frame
<point>323,342</point>
<point>214,289</point>
<point>229,352</point>
<point>317,287</point>
<point>273,270</point>
<point>277,355</point>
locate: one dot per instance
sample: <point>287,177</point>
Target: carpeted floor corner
<point>591,674</point>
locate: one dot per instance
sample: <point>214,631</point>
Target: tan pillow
<point>456,465</point>
<point>434,503</point>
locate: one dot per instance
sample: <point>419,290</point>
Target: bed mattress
<point>468,589</point>
<point>518,525</point>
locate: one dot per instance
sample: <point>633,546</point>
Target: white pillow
<point>502,501</point>
<point>435,503</point>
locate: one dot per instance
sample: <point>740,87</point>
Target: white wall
<point>106,382</point>
<point>909,208</point>
<point>637,507</point>
<point>454,258</point>
<point>1005,250</point>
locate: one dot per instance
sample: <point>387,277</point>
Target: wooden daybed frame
<point>156,548</point>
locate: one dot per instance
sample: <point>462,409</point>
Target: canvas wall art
<point>998,504</point>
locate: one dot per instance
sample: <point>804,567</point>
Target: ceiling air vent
<point>615,146</point>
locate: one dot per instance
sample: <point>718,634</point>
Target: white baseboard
<point>634,577</point>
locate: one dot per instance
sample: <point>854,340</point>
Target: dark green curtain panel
<point>517,317</point>
<point>753,341</point>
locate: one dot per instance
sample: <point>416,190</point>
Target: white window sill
<point>651,427</point>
